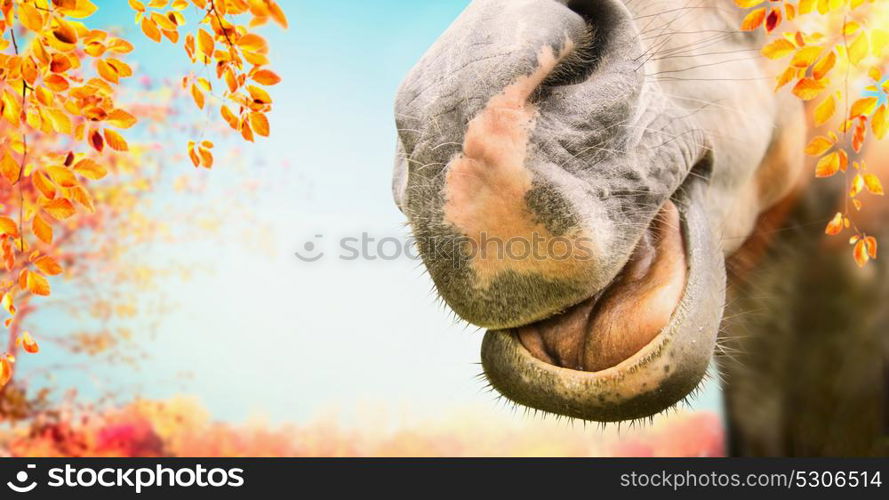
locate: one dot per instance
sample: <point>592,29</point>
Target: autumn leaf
<point>835,226</point>
<point>778,48</point>
<point>828,165</point>
<point>27,342</point>
<point>873,184</point>
<point>858,49</point>
<point>37,284</point>
<point>90,169</point>
<point>150,29</point>
<point>823,66</point>
<point>42,229</point>
<point>860,253</point>
<point>825,110</point>
<point>808,88</point>
<point>8,226</point>
<point>818,146</point>
<point>60,208</point>
<point>880,122</point>
<point>754,19</point>
<point>260,124</point>
<point>48,266</point>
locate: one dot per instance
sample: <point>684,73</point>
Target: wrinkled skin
<point>643,138</point>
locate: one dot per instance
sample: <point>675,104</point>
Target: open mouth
<point>635,348</point>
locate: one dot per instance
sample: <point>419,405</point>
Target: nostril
<point>601,17</point>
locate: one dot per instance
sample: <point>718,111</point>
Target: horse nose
<point>497,222</point>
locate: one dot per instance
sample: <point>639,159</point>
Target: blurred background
<point>241,313</point>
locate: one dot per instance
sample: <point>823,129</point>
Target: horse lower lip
<point>658,376</point>
<point>610,327</point>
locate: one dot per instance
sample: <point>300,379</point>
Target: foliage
<point>62,126</point>
<point>181,427</point>
<point>837,53</point>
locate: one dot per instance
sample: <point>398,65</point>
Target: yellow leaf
<point>880,122</point>
<point>858,49</point>
<point>37,284</point>
<point>863,107</point>
<point>259,95</point>
<point>121,119</point>
<point>62,176</point>
<point>205,42</point>
<point>823,67</point>
<point>259,123</point>
<point>825,110</point>
<point>873,184</point>
<point>806,56</point>
<point>857,186</point>
<point>8,226</point>
<point>59,208</point>
<point>90,169</point>
<point>828,165</point>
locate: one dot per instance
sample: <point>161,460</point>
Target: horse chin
<point>623,374</point>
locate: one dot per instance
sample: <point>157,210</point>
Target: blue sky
<point>267,333</point>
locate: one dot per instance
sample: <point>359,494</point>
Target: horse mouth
<point>635,348</point>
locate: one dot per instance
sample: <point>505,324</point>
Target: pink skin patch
<point>487,184</point>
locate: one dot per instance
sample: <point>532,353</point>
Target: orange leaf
<point>828,165</point>
<point>62,176</point>
<point>27,342</point>
<point>48,266</point>
<point>823,67</point>
<point>121,119</point>
<point>9,168</point>
<point>198,96</point>
<point>835,226</point>
<point>809,88</point>
<point>115,140</point>
<point>860,253</point>
<point>37,284</point>
<point>60,208</point>
<point>753,20</point>
<point>260,124</point>
<point>819,146</point>
<point>6,369</point>
<point>871,243</point>
<point>150,29</point>
<point>266,77</point>
<point>41,229</point>
<point>8,226</point>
